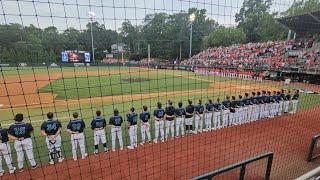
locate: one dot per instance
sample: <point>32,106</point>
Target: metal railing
<point>242,165</point>
<point>312,146</point>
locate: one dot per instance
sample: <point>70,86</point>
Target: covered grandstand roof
<point>308,23</point>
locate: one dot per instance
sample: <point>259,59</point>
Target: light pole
<point>91,15</point>
<point>191,19</point>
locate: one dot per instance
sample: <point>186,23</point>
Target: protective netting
<point>67,56</point>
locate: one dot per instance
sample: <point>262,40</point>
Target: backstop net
<point>222,80</point>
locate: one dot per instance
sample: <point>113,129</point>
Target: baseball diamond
<point>159,90</point>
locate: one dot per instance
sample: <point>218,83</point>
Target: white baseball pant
<point>116,131</point>
<point>236,116</point>
<point>255,112</point>
<point>169,127</point>
<point>249,113</point>
<point>225,117</point>
<point>133,135</point>
<point>159,125</point>
<point>56,145</point>
<point>145,130</point>
<point>24,145</point>
<point>241,115</point>
<point>245,113</point>
<point>295,105</point>
<point>273,107</point>
<point>75,140</point>
<point>280,108</point>
<point>99,136</point>
<point>179,126</point>
<point>208,117</point>
<point>262,109</point>
<point>5,151</point>
<point>286,106</point>
<point>198,122</point>
<point>216,120</point>
<point>231,118</point>
<point>267,110</point>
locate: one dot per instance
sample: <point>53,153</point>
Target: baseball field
<point>64,90</point>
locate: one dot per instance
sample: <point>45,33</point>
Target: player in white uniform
<point>20,132</point>
<point>5,151</point>
<point>115,122</point>
<point>98,125</point>
<point>51,129</point>
<point>75,128</point>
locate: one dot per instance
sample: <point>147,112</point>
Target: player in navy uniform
<point>233,107</point>
<point>295,101</point>
<point>20,132</point>
<point>98,125</point>
<point>217,114</point>
<point>198,119</point>
<point>275,103</point>
<point>272,104</point>
<point>247,108</point>
<point>145,126</point>
<point>132,119</point>
<point>286,103</point>
<point>265,105</point>
<point>281,104</point>
<point>189,117</point>
<point>5,151</point>
<point>208,116</point>
<point>226,112</point>
<point>115,122</point>
<point>159,122</point>
<point>51,128</point>
<point>75,128</point>
<point>255,107</point>
<point>240,110</point>
<point>261,105</point>
<point>180,114</point>
<point>170,116</point>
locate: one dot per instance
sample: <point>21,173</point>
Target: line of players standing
<point>177,121</point>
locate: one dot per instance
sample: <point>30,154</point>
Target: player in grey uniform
<point>295,101</point>
<point>51,129</point>
<point>98,125</point>
<point>5,151</point>
<point>208,116</point>
<point>198,119</point>
<point>180,113</point>
<point>20,132</point>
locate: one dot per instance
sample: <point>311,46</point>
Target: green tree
<point>223,36</point>
<point>302,6</point>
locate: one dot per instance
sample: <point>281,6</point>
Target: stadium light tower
<point>91,15</point>
<point>192,17</point>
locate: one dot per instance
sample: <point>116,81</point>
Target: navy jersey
<point>98,122</point>
<point>279,98</point>
<point>233,106</point>
<point>254,100</point>
<point>271,99</point>
<point>265,98</point>
<point>240,102</point>
<point>295,96</point>
<point>200,108</point>
<point>288,97</point>
<point>76,125</point>
<point>260,100</point>
<point>50,127</point>
<point>247,101</point>
<point>132,118</point>
<point>159,113</point>
<point>190,110</point>
<point>209,107</point>
<point>170,110</point>
<point>275,98</point>
<point>4,135</point>
<point>20,130</point>
<point>226,104</point>
<point>180,112</point>
<point>145,116</point>
<point>218,106</point>
<point>115,120</point>
<point>282,96</point>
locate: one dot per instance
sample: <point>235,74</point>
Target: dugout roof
<point>308,23</point>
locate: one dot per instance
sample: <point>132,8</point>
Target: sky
<point>73,13</point>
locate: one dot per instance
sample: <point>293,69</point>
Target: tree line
<point>167,34</point>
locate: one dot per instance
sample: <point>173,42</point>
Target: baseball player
<point>145,126</point>
<point>217,114</point>
<point>255,107</point>
<point>115,122</point>
<point>132,118</point>
<point>189,117</point>
<point>159,123</point>
<point>272,105</point>
<point>20,132</point>
<point>226,112</point>
<point>180,113</point>
<point>240,108</point>
<point>198,119</point>
<point>51,128</point>
<point>260,105</point>
<point>208,116</point>
<point>247,108</point>
<point>169,117</point>
<point>295,101</point>
<point>98,125</point>
<point>75,129</point>
<point>281,100</point>
<point>265,98</point>
<point>286,103</point>
<point>275,103</point>
<point>5,151</point>
<point>233,107</point>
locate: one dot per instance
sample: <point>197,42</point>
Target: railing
<point>242,165</point>
<point>312,146</point>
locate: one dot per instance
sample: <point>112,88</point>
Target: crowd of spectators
<point>272,55</point>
